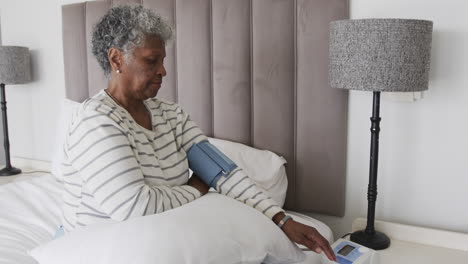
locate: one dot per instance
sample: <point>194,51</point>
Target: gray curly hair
<point>125,27</point>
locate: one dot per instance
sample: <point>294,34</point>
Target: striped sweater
<point>114,169</point>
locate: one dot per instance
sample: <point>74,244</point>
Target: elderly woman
<point>126,150</point>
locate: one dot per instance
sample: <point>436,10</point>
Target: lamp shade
<point>15,65</point>
<point>387,55</point>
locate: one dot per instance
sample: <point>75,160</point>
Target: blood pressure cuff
<point>208,163</point>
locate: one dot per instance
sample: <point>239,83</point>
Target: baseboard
<point>26,164</point>
<point>416,234</point>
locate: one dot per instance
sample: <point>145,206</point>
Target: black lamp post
<point>379,55</point>
<point>14,69</point>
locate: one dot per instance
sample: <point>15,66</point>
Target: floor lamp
<point>379,55</point>
<point>14,69</point>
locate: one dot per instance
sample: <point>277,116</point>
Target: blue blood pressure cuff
<point>208,163</point>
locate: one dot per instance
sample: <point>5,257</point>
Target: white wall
<point>423,168</point>
<point>33,108</point>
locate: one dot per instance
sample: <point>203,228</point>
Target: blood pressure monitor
<point>348,252</point>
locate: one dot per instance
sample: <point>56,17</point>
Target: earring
<point>117,71</point>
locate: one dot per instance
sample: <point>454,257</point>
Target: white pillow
<point>67,110</point>
<point>212,229</point>
<point>264,167</point>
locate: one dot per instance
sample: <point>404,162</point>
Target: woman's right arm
<point>100,151</point>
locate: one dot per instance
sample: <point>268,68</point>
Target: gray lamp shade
<point>388,55</point>
<point>15,65</point>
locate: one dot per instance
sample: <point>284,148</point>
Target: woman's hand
<point>198,184</point>
<point>307,236</point>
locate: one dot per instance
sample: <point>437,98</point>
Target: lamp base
<point>8,171</point>
<point>376,240</point>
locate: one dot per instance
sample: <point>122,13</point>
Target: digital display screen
<point>346,250</point>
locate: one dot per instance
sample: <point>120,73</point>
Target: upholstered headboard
<point>251,71</point>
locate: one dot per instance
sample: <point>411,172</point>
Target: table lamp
<point>14,69</point>
<point>379,55</point>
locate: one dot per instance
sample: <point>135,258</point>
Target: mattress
<point>30,214</point>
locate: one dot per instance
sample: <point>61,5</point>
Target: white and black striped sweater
<point>114,169</point>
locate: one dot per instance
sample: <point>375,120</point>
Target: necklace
<point>117,102</point>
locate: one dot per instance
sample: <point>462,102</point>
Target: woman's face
<point>142,74</point>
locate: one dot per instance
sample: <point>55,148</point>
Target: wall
<point>33,108</point>
<point>423,169</point>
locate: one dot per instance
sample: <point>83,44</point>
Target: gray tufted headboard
<point>251,71</point>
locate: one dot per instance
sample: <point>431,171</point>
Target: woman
<point>125,153</point>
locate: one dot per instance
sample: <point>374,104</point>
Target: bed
<point>267,89</point>
<point>31,213</point>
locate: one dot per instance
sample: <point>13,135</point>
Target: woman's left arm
<point>305,235</point>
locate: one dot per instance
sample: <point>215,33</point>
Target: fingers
<point>322,245</point>
<point>309,237</point>
<point>310,244</point>
<point>319,248</point>
<point>329,252</point>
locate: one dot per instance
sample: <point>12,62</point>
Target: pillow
<point>212,229</point>
<point>264,167</point>
<point>67,110</point>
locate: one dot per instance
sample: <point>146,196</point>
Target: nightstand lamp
<point>15,68</point>
<point>379,55</point>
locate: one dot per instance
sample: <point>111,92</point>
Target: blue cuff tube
<point>209,163</point>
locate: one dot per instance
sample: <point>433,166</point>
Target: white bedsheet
<point>30,214</point>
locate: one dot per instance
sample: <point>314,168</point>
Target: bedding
<point>31,213</point>
<point>264,167</point>
<point>210,230</point>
